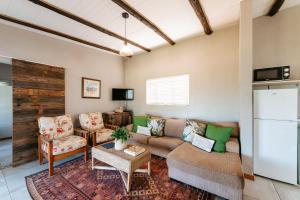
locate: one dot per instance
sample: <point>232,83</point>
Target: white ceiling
<point>175,18</point>
<point>261,7</point>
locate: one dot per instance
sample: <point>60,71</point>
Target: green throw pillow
<point>220,134</point>
<point>139,121</point>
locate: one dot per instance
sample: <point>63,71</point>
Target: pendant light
<point>125,50</point>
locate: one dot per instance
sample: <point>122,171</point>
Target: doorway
<point>6,113</point>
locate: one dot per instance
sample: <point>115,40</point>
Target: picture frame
<point>90,88</point>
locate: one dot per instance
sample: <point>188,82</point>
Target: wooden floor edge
<point>249,176</point>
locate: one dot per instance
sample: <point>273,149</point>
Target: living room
<point>149,99</point>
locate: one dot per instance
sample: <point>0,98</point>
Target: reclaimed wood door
<point>38,90</point>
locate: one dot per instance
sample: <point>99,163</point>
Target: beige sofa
<point>218,173</point>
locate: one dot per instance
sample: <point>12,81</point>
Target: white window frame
<point>169,100</point>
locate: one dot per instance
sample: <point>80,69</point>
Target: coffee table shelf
<point>124,163</point>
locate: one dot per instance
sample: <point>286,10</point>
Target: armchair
<point>56,140</point>
<point>92,124</point>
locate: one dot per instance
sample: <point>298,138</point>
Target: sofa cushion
<point>165,142</point>
<point>174,127</point>
<point>65,144</point>
<point>233,145</point>
<point>223,168</point>
<point>139,138</point>
<point>91,121</point>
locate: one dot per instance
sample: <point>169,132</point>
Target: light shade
<point>125,51</point>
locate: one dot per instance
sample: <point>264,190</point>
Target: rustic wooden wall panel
<point>38,90</point>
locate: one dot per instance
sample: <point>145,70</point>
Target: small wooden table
<point>124,163</point>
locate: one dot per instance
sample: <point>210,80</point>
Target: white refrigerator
<point>275,134</point>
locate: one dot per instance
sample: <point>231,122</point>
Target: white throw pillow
<point>144,130</point>
<point>203,143</point>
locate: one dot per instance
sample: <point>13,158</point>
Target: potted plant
<point>121,136</point>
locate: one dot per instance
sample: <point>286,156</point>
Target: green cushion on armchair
<point>139,121</point>
<point>220,134</point>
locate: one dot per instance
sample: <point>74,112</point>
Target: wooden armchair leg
<point>40,157</point>
<point>94,139</point>
<point>51,168</point>
<point>50,158</point>
<point>86,153</point>
<point>40,154</point>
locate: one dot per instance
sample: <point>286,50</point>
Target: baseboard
<point>6,138</point>
<point>249,176</point>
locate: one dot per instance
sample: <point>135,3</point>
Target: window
<point>168,90</point>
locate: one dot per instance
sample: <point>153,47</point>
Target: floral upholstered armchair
<point>92,124</point>
<point>56,140</point>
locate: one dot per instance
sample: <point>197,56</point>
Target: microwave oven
<point>271,74</point>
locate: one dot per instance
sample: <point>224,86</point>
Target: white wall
<point>79,61</point>
<point>6,100</point>
<point>245,85</point>
<point>277,41</point>
<point>211,61</point>
<point>6,113</point>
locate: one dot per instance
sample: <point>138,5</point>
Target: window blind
<point>168,91</point>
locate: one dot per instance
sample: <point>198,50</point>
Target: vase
<point>120,145</point>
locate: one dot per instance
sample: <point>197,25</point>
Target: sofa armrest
<point>129,127</point>
<point>110,126</point>
<point>233,145</point>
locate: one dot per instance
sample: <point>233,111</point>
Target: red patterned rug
<point>76,180</point>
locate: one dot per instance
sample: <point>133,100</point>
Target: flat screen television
<point>119,94</point>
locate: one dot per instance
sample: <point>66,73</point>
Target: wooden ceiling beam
<point>196,5</point>
<point>47,30</point>
<point>275,7</point>
<point>86,22</point>
<point>143,19</point>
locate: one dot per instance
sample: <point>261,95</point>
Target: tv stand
<point>118,119</point>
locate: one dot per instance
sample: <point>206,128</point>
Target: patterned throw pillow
<point>157,126</point>
<point>192,128</point>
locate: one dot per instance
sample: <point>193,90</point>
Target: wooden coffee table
<point>124,163</point>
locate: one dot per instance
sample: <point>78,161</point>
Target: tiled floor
<point>6,153</point>
<point>12,181</point>
<point>263,188</point>
<point>13,187</point>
